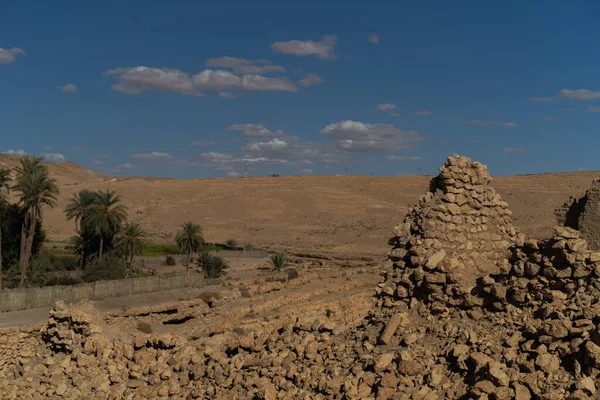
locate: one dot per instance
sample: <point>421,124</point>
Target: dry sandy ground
<point>324,214</point>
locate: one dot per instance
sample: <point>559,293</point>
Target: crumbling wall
<point>583,214</point>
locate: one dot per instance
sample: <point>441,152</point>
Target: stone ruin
<point>459,230</point>
<point>583,214</point>
<point>487,317</point>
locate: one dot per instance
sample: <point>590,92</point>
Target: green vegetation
<point>130,242</point>
<point>160,249</point>
<point>35,189</point>
<point>278,261</point>
<point>4,189</point>
<point>189,240</point>
<point>212,265</point>
<point>231,243</point>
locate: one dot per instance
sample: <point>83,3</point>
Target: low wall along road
<point>23,299</point>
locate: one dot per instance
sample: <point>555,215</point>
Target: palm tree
<point>79,206</point>
<point>131,241</point>
<point>106,216</point>
<point>25,168</point>
<point>4,188</point>
<point>36,189</point>
<point>77,244</point>
<point>189,239</point>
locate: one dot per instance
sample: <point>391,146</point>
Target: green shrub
<point>109,268</point>
<point>278,261</point>
<point>212,265</point>
<point>170,261</point>
<point>63,280</point>
<point>160,249</point>
<point>248,247</point>
<point>231,243</point>
<point>38,271</point>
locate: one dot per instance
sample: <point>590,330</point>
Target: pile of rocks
<point>460,229</point>
<point>583,214</point>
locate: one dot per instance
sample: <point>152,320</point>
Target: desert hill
<point>335,214</point>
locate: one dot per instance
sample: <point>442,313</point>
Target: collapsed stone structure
<point>460,229</point>
<point>524,325</point>
<point>583,214</point>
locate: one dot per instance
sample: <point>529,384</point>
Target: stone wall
<point>583,214</point>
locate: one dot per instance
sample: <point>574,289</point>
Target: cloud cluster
<point>423,113</point>
<point>310,80</point>
<point>567,94</point>
<point>160,159</point>
<point>593,109</point>
<point>579,94</point>
<point>10,55</point>
<point>68,88</point>
<point>53,157</point>
<point>479,122</point>
<point>139,79</point>
<point>385,107</point>
<point>360,137</point>
<point>19,152</point>
<point>323,49</point>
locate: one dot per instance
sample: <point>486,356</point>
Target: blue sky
<point>194,90</point>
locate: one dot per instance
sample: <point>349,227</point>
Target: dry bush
<point>170,261</point>
<point>144,327</point>
<point>292,274</point>
<point>209,297</point>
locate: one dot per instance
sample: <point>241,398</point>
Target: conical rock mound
<point>460,229</point>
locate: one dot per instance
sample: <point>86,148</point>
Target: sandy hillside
<point>343,215</point>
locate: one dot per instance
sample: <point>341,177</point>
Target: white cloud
<point>19,152</point>
<point>53,157</point>
<point>306,171</point>
<point>519,149</point>
<point>68,88</point>
<point>385,107</point>
<point>593,109</point>
<point>395,114</point>
<point>374,38</point>
<point>258,69</point>
<point>404,158</point>
<point>216,80</point>
<point>579,94</point>
<point>97,162</point>
<point>139,79</point>
<point>10,55</point>
<point>125,166</point>
<point>154,157</point>
<point>254,130</point>
<point>424,113</point>
<point>261,84</point>
<point>323,49</point>
<point>361,137</point>
<point>480,122</point>
<point>541,99</point>
<point>233,174</point>
<point>227,62</point>
<point>310,80</point>
<point>273,144</point>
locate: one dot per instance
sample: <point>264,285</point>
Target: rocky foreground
<point>468,308</point>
